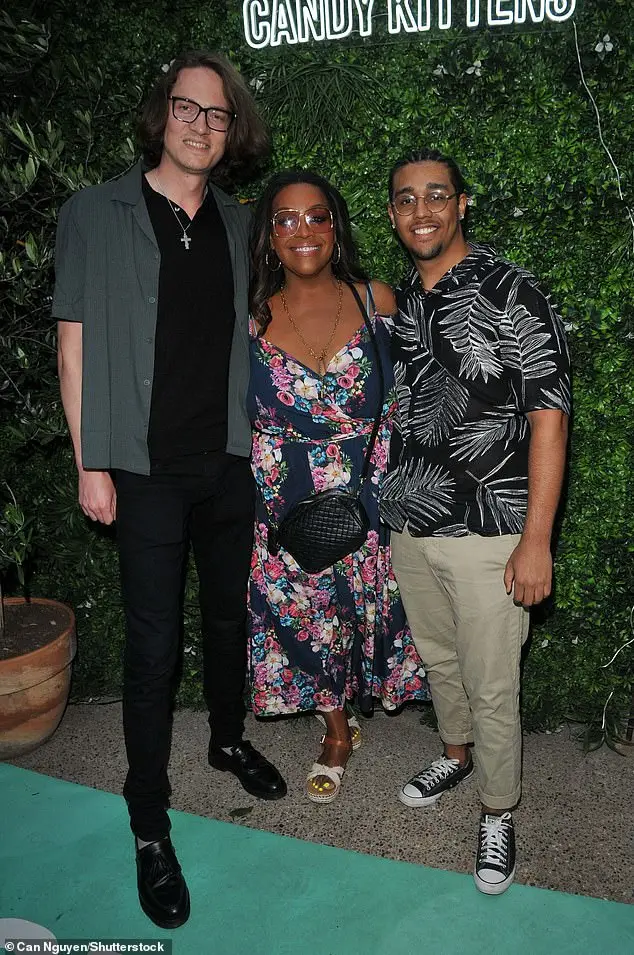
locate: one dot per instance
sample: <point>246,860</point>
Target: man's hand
<point>97,496</point>
<point>529,573</point>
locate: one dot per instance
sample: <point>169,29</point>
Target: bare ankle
<point>486,811</point>
<point>459,752</point>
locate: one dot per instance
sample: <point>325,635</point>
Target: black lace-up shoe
<point>255,773</point>
<point>495,862</point>
<point>163,892</point>
<point>427,787</point>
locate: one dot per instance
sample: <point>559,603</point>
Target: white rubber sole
<point>493,888</point>
<point>424,802</point>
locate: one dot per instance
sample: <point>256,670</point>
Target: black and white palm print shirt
<point>472,356</point>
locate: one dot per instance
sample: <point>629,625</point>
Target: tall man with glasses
<point>151,297</point>
<point>476,469</point>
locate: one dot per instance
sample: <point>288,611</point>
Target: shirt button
<point>149,340</point>
<point>151,300</point>
<point>146,381</point>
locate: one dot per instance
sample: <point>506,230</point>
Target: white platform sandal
<point>331,776</point>
<point>355,728</point>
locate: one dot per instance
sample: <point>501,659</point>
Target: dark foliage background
<point>509,105</point>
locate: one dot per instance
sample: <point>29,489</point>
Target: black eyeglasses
<point>187,111</point>
<point>407,203</point>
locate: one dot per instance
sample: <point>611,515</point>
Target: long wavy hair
<point>248,142</point>
<point>265,282</point>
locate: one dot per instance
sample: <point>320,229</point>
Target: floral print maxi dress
<point>317,640</point>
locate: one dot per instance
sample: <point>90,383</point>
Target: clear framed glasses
<point>406,203</point>
<point>286,222</point>
<point>187,111</point>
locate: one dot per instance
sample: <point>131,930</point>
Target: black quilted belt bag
<point>325,527</point>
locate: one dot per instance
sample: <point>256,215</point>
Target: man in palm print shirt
<point>477,463</point>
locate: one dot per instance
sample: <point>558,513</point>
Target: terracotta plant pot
<point>34,685</point>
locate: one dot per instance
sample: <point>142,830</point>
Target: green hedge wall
<point>513,110</point>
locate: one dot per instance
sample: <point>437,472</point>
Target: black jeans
<point>157,517</point>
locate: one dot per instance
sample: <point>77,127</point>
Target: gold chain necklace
<point>319,357</point>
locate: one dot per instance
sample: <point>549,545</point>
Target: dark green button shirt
<point>107,275</point>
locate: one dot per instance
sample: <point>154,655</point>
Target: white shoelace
<point>494,832</point>
<point>438,770</point>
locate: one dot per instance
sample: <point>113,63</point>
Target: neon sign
<point>274,22</point>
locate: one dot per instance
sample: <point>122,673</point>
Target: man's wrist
<point>537,539</point>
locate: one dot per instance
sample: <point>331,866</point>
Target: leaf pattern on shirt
<point>438,404</point>
<point>473,356</point>
<point>558,396</point>
<point>467,325</point>
<point>475,438</point>
<point>412,328</point>
<point>428,489</point>
<point>524,346</point>
<point>505,501</point>
<point>453,530</point>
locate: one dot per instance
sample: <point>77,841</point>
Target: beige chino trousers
<point>469,634</point>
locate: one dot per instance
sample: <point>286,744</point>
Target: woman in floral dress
<point>318,640</point>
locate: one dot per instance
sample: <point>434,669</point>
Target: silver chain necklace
<point>185,239</point>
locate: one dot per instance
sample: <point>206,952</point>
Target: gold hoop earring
<point>337,252</point>
<point>267,259</point>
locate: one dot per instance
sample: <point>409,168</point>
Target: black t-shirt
<point>194,331</point>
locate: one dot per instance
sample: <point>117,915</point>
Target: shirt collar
<point>459,274</point>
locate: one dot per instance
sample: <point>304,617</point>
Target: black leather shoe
<point>163,892</point>
<point>255,773</point>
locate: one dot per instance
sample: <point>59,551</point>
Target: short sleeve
<point>70,265</point>
<point>533,348</point>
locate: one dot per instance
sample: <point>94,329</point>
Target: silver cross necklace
<point>185,239</point>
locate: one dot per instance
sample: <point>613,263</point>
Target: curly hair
<point>264,282</point>
<point>248,142</point>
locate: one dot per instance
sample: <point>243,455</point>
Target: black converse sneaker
<point>495,863</point>
<point>427,787</point>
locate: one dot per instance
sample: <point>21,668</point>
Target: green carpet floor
<point>66,863</point>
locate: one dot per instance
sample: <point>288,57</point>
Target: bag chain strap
<point>379,414</point>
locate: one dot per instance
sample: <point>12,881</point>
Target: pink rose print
<point>281,380</point>
<point>345,381</point>
<point>368,570</point>
<point>276,569</point>
<point>261,673</point>
<point>319,479</point>
<point>286,398</point>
